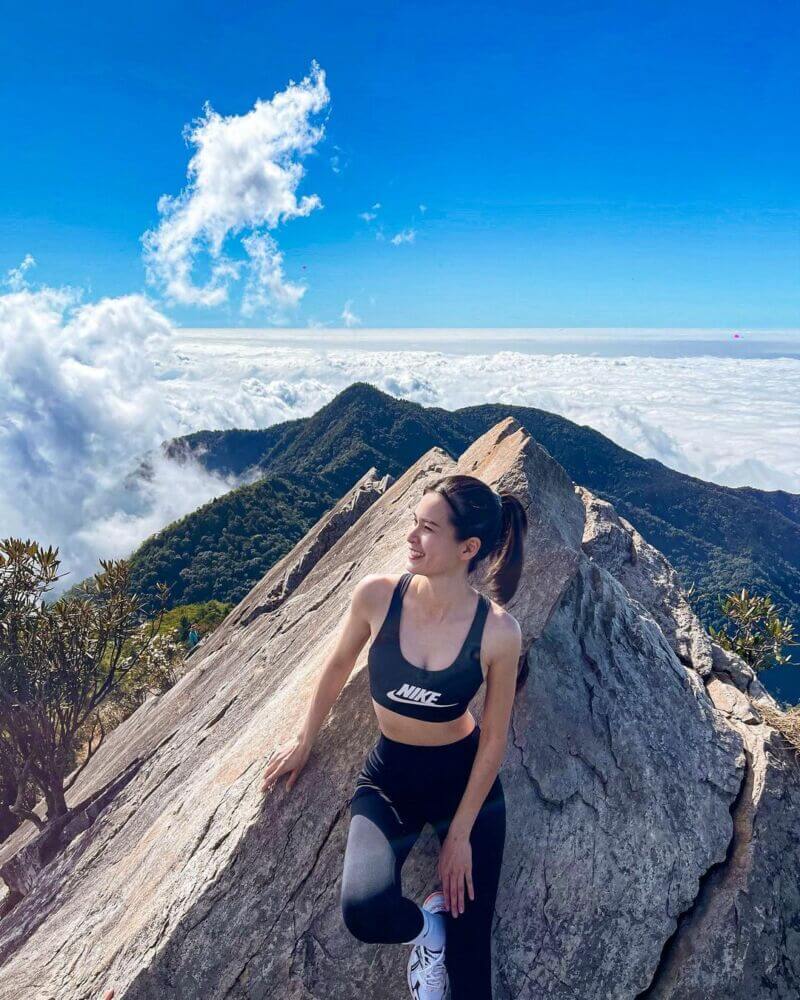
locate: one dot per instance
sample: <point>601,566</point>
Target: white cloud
<point>15,278</point>
<point>404,236</point>
<point>423,208</point>
<point>370,215</point>
<point>339,161</point>
<point>348,316</point>
<point>242,178</point>
<point>81,400</point>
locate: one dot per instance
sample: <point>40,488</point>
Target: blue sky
<point>580,164</point>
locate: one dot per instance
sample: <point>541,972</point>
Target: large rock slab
<point>650,847</point>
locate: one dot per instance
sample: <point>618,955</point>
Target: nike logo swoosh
<point>410,701</point>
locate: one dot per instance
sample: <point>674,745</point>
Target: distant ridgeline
<point>719,538</point>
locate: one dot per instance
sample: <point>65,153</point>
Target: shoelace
<point>433,968</point>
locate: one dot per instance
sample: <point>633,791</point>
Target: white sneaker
<point>426,972</point>
<point>427,976</point>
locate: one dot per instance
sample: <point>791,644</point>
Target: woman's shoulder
<point>499,614</point>
<point>371,598</point>
<point>503,634</point>
<point>376,588</point>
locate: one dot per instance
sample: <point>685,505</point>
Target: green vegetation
<point>205,616</point>
<point>219,551</point>
<point>73,669</point>
<point>754,630</point>
<point>59,662</point>
<point>166,661</point>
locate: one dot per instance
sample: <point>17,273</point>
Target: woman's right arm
<point>292,755</point>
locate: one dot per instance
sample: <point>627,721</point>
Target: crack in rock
<point>722,878</point>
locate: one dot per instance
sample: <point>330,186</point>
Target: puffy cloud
<point>348,316</point>
<point>404,236</point>
<point>722,419</point>
<point>242,178</point>
<point>81,400</point>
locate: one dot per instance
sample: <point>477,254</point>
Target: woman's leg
<point>468,954</point>
<point>379,840</point>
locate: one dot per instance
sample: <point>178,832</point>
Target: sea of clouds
<point>87,390</point>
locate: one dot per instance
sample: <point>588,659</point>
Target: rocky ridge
<point>651,810</point>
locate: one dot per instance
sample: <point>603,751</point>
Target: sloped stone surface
<point>650,847</point>
<point>649,579</point>
<point>288,573</point>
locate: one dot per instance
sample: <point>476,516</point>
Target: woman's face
<point>432,547</point>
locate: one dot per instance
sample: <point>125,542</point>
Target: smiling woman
<point>426,728</point>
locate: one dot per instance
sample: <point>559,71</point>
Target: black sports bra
<point>429,695</point>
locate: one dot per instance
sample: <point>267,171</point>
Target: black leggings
<point>401,787</point>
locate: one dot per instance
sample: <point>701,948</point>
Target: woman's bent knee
<point>369,918</point>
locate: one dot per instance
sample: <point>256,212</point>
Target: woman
<point>432,763</point>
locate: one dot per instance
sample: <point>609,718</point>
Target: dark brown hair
<point>500,522</point>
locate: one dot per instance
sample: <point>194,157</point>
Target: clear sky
<point>580,164</point>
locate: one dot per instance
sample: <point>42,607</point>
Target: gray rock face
<point>651,839</point>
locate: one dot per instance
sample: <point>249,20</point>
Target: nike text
<point>413,695</point>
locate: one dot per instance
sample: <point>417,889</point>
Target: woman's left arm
<point>455,861</point>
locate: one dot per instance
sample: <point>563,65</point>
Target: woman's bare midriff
<point>426,734</point>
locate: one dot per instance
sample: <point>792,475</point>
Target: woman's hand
<point>290,756</point>
<point>455,868</point>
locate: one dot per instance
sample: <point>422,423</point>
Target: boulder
<point>651,848</point>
